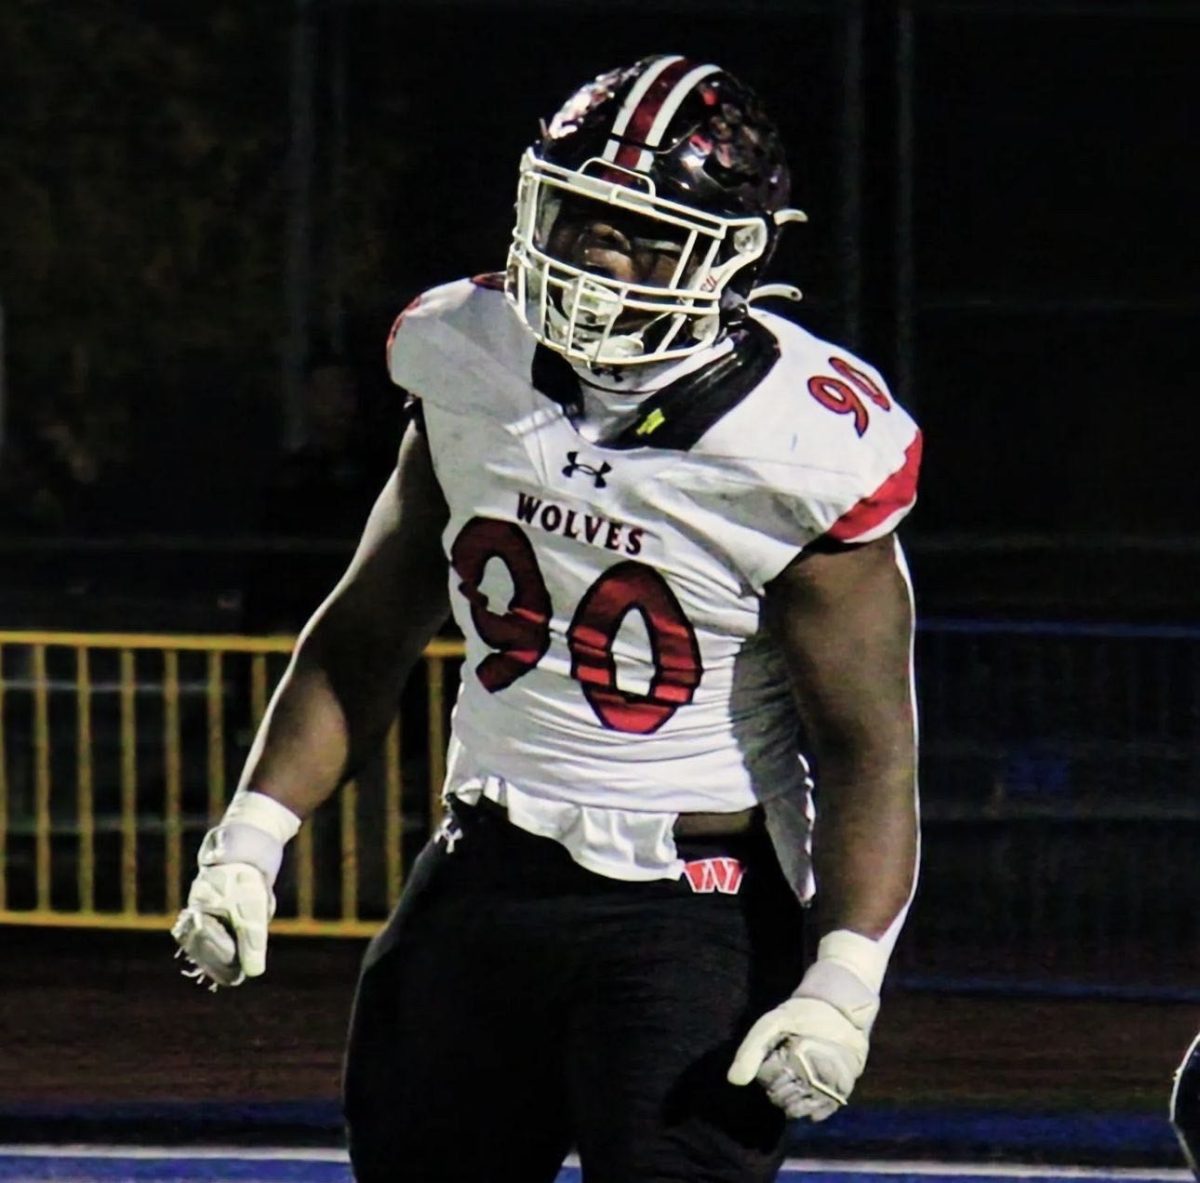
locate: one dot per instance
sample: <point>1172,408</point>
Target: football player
<point>1185,1106</point>
<point>663,519</point>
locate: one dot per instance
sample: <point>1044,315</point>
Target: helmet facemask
<point>590,315</point>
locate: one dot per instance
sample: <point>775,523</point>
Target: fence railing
<point>117,751</point>
<point>1060,780</point>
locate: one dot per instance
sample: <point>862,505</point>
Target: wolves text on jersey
<point>587,527</point>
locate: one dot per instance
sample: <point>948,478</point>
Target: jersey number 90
<point>521,634</point>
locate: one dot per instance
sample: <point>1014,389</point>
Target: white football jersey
<point>610,598</point>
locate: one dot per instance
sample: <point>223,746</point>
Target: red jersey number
<point>844,395</point>
<point>629,587</point>
<point>521,634</point>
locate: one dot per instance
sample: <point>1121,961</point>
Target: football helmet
<point>686,175</point>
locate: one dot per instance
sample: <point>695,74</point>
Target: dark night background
<point>210,214</point>
<point>204,204</point>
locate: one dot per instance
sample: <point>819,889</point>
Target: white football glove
<point>809,1051</point>
<point>223,930</point>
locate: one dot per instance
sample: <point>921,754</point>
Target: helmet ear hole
<point>750,240</point>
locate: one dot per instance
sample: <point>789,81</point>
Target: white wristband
<point>264,813</point>
<point>254,830</point>
<point>863,957</point>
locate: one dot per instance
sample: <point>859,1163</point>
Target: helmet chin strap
<point>590,313</point>
<point>643,380</point>
<point>580,342</point>
<point>588,302</point>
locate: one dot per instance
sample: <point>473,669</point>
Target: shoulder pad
<point>824,432</point>
<point>457,345</point>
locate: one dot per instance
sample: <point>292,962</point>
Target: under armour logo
<point>597,474</point>
<point>450,832</point>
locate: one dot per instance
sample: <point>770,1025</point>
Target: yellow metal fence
<point>117,752</point>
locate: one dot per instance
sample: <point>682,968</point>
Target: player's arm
<point>341,689</point>
<point>843,620</point>
<point>330,711</point>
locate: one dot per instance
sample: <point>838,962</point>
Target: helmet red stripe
<point>642,119</point>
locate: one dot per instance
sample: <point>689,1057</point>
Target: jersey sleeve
<point>881,507</point>
<point>834,457</point>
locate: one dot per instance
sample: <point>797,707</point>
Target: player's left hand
<point>809,1051</point>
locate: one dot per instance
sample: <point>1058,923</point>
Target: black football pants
<point>517,1006</point>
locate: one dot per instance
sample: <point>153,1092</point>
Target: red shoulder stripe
<point>894,494</point>
<point>413,303</point>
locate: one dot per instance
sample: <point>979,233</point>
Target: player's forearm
<point>866,844</point>
<point>331,711</point>
<point>302,747</point>
<point>342,689</point>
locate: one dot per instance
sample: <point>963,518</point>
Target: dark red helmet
<point>696,131</point>
<point>683,144</point>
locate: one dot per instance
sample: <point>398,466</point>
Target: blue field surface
<point>83,1164</point>
<point>865,1131</point>
<point>209,1144</point>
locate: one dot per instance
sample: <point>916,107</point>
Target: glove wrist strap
<point>863,957</point>
<point>254,830</point>
<point>263,812</point>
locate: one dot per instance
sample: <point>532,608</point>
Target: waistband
<point>687,825</point>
